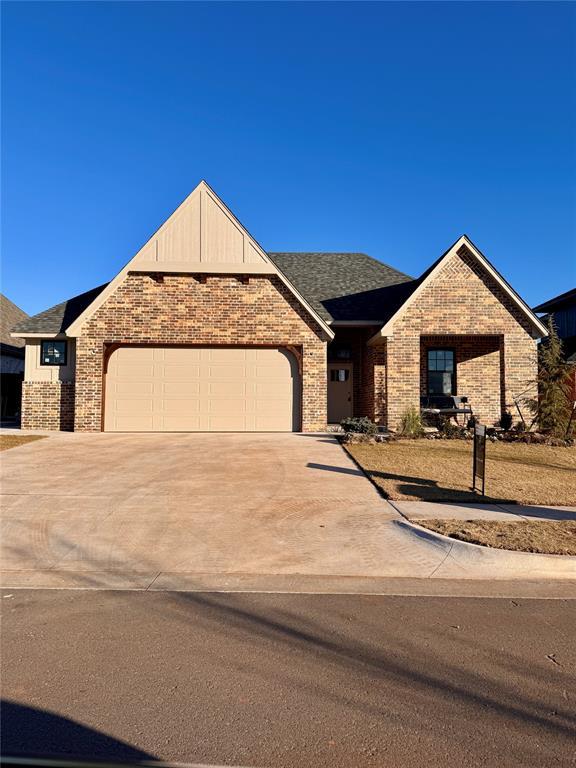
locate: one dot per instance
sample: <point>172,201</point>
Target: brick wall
<point>205,310</point>
<point>478,371</point>
<point>48,405</point>
<point>463,301</point>
<point>373,401</point>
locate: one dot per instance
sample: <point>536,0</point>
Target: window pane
<point>53,353</point>
<point>440,383</point>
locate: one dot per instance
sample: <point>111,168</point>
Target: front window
<point>441,372</point>
<point>53,353</point>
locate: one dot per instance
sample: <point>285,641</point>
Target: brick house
<point>203,330</point>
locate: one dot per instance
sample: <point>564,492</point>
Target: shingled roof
<point>339,286</point>
<point>346,286</point>
<point>58,318</point>
<point>10,314</point>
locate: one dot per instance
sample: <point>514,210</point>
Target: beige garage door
<point>210,389</point>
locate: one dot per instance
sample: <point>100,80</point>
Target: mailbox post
<point>479,458</point>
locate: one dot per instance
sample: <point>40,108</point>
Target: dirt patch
<point>430,470</point>
<point>13,441</point>
<point>548,537</point>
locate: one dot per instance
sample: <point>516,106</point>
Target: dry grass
<point>13,441</point>
<point>441,470</point>
<point>549,537</point>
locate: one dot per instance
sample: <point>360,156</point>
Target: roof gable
<point>202,235</point>
<point>429,275</point>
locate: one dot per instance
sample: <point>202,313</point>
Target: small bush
<point>411,423</point>
<point>506,421</point>
<point>361,425</point>
<point>450,430</point>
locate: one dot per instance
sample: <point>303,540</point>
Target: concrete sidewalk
<point>427,510</point>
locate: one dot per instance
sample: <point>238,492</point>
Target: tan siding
<point>33,371</point>
<point>201,230</point>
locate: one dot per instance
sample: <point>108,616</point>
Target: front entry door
<point>340,403</point>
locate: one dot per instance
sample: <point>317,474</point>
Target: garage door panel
<point>180,424</point>
<point>134,423</point>
<point>132,406</point>
<point>174,355</point>
<point>173,372</point>
<point>184,406</point>
<point>201,389</point>
<point>179,388</point>
<point>134,389</point>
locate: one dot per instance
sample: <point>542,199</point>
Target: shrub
<point>361,425</point>
<point>553,406</point>
<point>506,421</point>
<point>411,423</point>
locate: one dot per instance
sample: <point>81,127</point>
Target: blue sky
<point>388,128</point>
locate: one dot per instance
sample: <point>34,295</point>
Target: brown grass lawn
<point>441,470</point>
<point>552,537</point>
<point>13,441</point>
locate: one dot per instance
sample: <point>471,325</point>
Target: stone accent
<point>465,307</point>
<point>48,405</point>
<point>200,310</point>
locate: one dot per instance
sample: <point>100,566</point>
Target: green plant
<point>506,421</point>
<point>411,423</point>
<point>359,424</point>
<point>553,407</point>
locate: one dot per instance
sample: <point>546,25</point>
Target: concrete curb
<point>464,560</point>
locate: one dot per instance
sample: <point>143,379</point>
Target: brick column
<point>314,387</point>
<point>373,391</point>
<point>520,369</point>
<point>402,376</point>
<point>89,361</point>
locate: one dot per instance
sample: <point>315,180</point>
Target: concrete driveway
<point>183,510</point>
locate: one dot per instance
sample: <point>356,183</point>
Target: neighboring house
<point>11,359</point>
<point>562,309</point>
<point>204,330</point>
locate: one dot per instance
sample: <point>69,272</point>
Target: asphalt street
<point>289,680</point>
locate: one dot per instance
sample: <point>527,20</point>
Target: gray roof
<point>58,318</point>
<point>339,286</point>
<point>346,286</point>
<point>563,301</point>
<point>10,314</point>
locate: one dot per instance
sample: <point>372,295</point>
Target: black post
<point>479,456</point>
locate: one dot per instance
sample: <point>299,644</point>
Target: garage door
<point>209,389</point>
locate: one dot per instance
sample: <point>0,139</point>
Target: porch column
<point>402,377</point>
<point>373,384</point>
<point>520,370</point>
